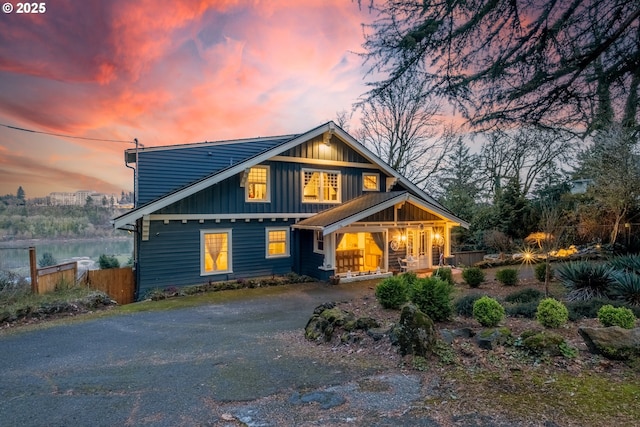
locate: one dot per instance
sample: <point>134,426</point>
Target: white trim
<point>287,231</point>
<point>267,199</point>
<point>232,216</point>
<point>323,162</point>
<point>229,269</point>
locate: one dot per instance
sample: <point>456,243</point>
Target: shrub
<point>108,261</point>
<point>552,313</point>
<point>488,311</point>
<point>585,280</point>
<point>410,278</point>
<point>540,271</point>
<point>507,276</point>
<point>525,295</point>
<point>629,263</point>
<point>626,287</point>
<point>444,274</point>
<point>473,276</point>
<point>464,305</point>
<point>46,260</point>
<point>609,315</point>
<point>586,309</point>
<point>392,292</point>
<point>434,297</point>
<point>524,309</point>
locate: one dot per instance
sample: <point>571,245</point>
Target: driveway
<point>221,364</point>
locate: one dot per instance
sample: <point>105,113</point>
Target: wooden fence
<point>468,258</point>
<point>118,283</point>
<point>49,278</point>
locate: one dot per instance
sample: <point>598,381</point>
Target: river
<point>14,256</point>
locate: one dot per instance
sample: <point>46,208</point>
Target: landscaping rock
<point>489,339</point>
<point>416,332</point>
<point>543,342</point>
<point>613,342</point>
<point>449,336</point>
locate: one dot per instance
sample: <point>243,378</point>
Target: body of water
<point>14,256</point>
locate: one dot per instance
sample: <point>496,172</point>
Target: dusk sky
<point>165,72</point>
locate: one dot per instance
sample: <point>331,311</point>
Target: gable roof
<point>231,170</point>
<point>333,219</point>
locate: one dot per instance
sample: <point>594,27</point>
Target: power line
<point>65,136</point>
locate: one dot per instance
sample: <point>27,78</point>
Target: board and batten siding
<point>309,261</point>
<point>286,192</point>
<point>171,256</point>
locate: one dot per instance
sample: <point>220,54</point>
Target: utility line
<point>65,136</point>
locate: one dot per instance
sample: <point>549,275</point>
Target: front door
<point>417,246</point>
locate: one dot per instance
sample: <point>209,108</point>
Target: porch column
<point>330,250</point>
<point>447,240</point>
<point>429,233</point>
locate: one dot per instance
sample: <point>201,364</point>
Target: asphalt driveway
<point>219,364</point>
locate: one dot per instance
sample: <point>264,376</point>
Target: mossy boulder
<point>416,333</point>
<point>328,319</point>
<point>488,339</point>
<point>613,342</point>
<point>544,342</point>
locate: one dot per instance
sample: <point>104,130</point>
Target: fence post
<point>34,269</point>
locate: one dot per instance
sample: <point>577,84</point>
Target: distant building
<point>579,186</point>
<point>79,198</point>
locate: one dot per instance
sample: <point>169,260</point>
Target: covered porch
<point>380,234</point>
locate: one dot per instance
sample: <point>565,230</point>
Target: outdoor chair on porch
<point>403,265</point>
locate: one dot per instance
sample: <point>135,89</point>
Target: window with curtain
<point>321,186</point>
<point>216,251</point>
<point>257,186</point>
<point>277,242</point>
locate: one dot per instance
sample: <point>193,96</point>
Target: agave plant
<point>626,287</point>
<point>626,262</point>
<point>586,280</point>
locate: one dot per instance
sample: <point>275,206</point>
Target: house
<point>317,203</point>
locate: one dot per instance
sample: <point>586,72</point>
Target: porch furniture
<point>403,265</point>
<point>350,260</point>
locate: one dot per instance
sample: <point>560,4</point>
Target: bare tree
<point>400,125</point>
<point>544,62</point>
<point>522,156</point>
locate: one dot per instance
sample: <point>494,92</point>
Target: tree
<point>399,124</point>
<point>20,195</point>
<point>459,180</point>
<point>547,62</point>
<point>613,164</point>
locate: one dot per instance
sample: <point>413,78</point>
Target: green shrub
<point>444,274</point>
<point>552,313</point>
<point>626,287</point>
<point>540,271</point>
<point>523,309</point>
<point>433,297</point>
<point>108,261</point>
<point>507,276</point>
<point>629,263</point>
<point>586,280</point>
<point>464,305</point>
<point>524,296</point>
<point>473,276</point>
<point>46,260</point>
<point>488,311</point>
<point>609,315</point>
<point>392,292</point>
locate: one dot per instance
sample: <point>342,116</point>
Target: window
<point>257,186</point>
<point>321,186</point>
<point>277,242</point>
<point>370,182</point>
<point>318,242</point>
<point>215,248</point>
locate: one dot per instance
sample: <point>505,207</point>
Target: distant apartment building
<point>79,198</point>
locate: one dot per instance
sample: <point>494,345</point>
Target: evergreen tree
<point>20,194</point>
<point>459,181</point>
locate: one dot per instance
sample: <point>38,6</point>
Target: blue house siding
<point>309,260</point>
<point>171,256</point>
<point>286,192</point>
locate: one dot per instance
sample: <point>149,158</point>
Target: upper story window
<point>321,186</point>
<point>370,182</point>
<point>257,186</point>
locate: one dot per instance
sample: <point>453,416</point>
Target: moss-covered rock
<point>488,339</point>
<point>416,332</point>
<point>545,342</point>
<point>613,343</point>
